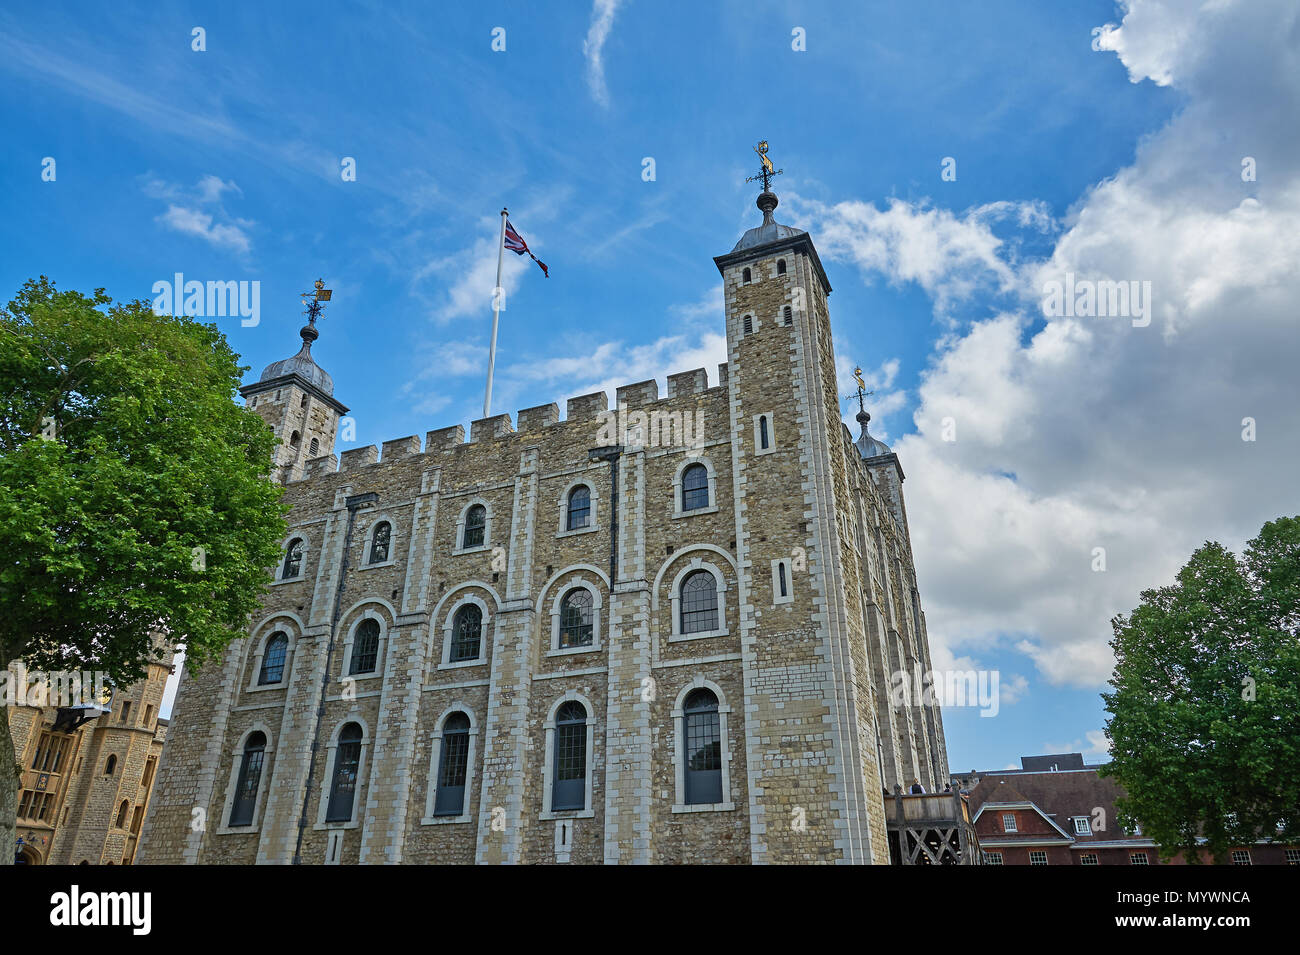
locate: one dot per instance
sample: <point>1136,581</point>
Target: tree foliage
<point>1205,713</point>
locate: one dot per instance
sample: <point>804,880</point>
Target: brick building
<point>660,632</point>
<point>1056,810</point>
<point>85,787</point>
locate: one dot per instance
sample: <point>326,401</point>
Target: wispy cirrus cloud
<point>593,47</point>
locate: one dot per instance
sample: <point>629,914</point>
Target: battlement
<point>580,409</point>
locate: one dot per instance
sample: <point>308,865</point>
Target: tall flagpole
<point>497,294</point>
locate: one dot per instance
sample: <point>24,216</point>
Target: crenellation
<point>638,393</point>
<point>542,416</point>
<point>326,464</point>
<point>692,382</point>
<point>722,375</point>
<point>401,448</point>
<point>494,426</point>
<point>583,408</point>
<point>354,459</point>
<point>444,439</point>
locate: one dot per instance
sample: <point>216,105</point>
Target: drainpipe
<point>611,454</point>
<point>354,503</point>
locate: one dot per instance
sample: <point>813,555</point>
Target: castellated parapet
<point>656,630</point>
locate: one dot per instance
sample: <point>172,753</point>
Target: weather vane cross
<point>861,394</point>
<point>766,172</point>
<point>314,299</point>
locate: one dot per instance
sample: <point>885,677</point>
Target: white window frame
<point>1089,858</point>
<point>448,625</point>
<point>237,753</point>
<point>284,556</point>
<point>575,583</point>
<point>548,767</point>
<point>1133,858</point>
<point>989,857</point>
<point>458,547</point>
<point>435,754</point>
<point>679,752</point>
<point>368,613</point>
<point>1292,856</point>
<point>1038,852</point>
<point>277,624</point>
<point>777,599</point>
<point>593,523</point>
<point>363,779</point>
<point>1085,822</point>
<point>1009,822</point>
<point>712,507</point>
<point>675,599</point>
<point>771,433</point>
<point>369,540</point>
<point>1241,852</point>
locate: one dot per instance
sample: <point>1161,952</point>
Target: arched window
<point>703,749</point>
<point>745,276</point>
<point>466,634</point>
<point>250,777</point>
<point>788,314</point>
<point>273,659</point>
<point>699,603</point>
<point>780,266</point>
<point>365,647</point>
<point>748,325</point>
<point>569,790</point>
<point>110,764</point>
<point>295,439</point>
<point>343,785</point>
<point>762,433</point>
<point>579,508</point>
<point>379,542</point>
<point>575,619</point>
<point>695,487</point>
<point>780,572</point>
<point>292,560</point>
<point>122,810</point>
<point>303,402</point>
<point>315,447</point>
<point>453,766</point>
<point>475,524</point>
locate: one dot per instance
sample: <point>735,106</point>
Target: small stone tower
<point>295,396</point>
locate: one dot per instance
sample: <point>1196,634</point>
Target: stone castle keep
<point>540,645</point>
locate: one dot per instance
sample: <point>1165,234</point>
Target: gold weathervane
<point>767,171</point>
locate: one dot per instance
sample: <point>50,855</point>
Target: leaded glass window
<point>292,560</point>
<point>699,603</point>
<point>576,619</point>
<point>466,634</point>
<point>343,785</point>
<point>695,487</point>
<point>475,525</point>
<point>273,659</point>
<point>570,786</point>
<point>703,730</point>
<point>379,542</point>
<point>250,777</point>
<point>453,766</point>
<point>579,514</point>
<point>365,647</point>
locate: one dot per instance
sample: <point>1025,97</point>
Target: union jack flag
<point>516,244</point>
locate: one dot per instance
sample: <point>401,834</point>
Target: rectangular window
<point>1240,857</point>
<point>1008,822</point>
<point>1082,826</point>
<point>993,858</point>
<point>1293,856</point>
<point>454,766</point>
<point>126,712</point>
<point>570,767</point>
<point>1037,857</point>
<point>1088,858</point>
<point>1138,858</point>
<point>346,762</point>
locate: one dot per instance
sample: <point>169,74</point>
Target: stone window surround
<point>331,753</point>
<point>679,754</point>
<point>548,766</point>
<point>435,754</point>
<point>284,555</point>
<point>675,597</point>
<point>575,583</point>
<point>368,614</point>
<point>771,433</point>
<point>777,599</point>
<point>458,545</point>
<point>712,507</point>
<point>593,523</point>
<point>291,627</point>
<point>448,625</point>
<point>237,753</point>
<point>368,536</point>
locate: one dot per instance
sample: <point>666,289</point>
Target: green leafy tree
<point>134,499</point>
<point>1205,717</point>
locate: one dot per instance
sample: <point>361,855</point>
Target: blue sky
<point>225,165</point>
